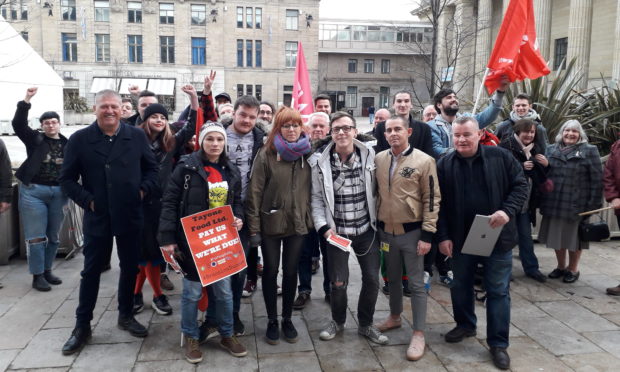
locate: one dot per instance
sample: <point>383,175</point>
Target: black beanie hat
<point>155,108</point>
<point>49,115</point>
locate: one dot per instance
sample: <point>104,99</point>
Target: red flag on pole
<point>302,95</point>
<point>516,52</point>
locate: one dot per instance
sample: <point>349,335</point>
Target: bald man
<point>381,115</point>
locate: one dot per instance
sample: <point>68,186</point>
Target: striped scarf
<point>291,151</point>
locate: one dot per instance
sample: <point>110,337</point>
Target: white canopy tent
<point>20,68</point>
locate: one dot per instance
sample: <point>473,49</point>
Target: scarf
<point>531,115</point>
<point>567,149</point>
<point>291,151</point>
<point>527,150</point>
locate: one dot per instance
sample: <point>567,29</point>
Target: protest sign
<point>214,243</point>
<point>171,261</point>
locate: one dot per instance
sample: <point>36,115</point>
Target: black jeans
<point>237,281</point>
<point>438,258</point>
<point>311,241</point>
<point>367,246</point>
<point>291,250</point>
<point>96,254</point>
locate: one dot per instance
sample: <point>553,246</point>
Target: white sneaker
<point>330,331</point>
<point>427,281</point>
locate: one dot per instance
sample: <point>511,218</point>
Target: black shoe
<point>386,288</point>
<point>273,332</point>
<point>537,276</point>
<point>106,267</point>
<point>207,331</point>
<point>301,301</point>
<point>78,339</point>
<point>315,266</point>
<point>570,277</point>
<point>289,331</point>
<point>238,327</point>
<point>51,278</point>
<point>166,283</point>
<point>406,290</point>
<point>138,303</point>
<point>131,325</point>
<point>458,334</point>
<point>557,273</point>
<point>40,284</point>
<point>500,357</point>
<point>161,305</point>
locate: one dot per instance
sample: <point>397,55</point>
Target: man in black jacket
<point>487,181</point>
<point>118,169</point>
<point>420,139</point>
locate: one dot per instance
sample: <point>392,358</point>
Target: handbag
<point>593,231</point>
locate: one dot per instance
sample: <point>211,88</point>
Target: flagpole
<point>486,72</point>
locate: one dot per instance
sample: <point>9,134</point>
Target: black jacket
<point>6,176</point>
<point>188,193</point>
<point>112,181</point>
<point>505,183</point>
<point>420,139</point>
<point>36,146</point>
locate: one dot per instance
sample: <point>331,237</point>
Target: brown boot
<point>614,291</point>
<point>234,347</point>
<point>192,350</point>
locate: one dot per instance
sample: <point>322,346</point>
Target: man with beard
<point>522,109</point>
<point>447,107</point>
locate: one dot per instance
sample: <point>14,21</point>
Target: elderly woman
<point>278,210</point>
<point>611,182</point>
<point>576,172</point>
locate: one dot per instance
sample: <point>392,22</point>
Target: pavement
<point>554,327</point>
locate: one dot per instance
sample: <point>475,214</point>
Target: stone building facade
<point>162,45</point>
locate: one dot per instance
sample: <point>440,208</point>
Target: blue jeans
<point>238,279</point>
<point>192,291</point>
<point>371,118</point>
<point>526,245</point>
<point>41,210</point>
<point>220,310</point>
<point>311,241</point>
<point>497,269</point>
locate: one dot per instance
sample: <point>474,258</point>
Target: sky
<point>397,10</point>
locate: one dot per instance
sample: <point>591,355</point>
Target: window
<point>199,51</point>
<point>134,12</point>
<point>199,15</point>
<point>287,96</point>
<point>239,90</point>
<point>369,66</point>
<point>248,17</point>
<point>102,47</point>
<point>292,19</point>
<point>135,48</point>
<point>102,11</point>
<point>259,92</point>
<point>359,33</point>
<point>258,17</point>
<point>69,47</point>
<point>67,8</point>
<point>384,97</point>
<point>166,13</point>
<point>290,53</point>
<point>166,46</point>
<point>248,52</point>
<point>353,65</point>
<point>239,53</point>
<point>17,9</point>
<point>351,97</point>
<point>559,54</point>
<point>385,66</point>
<point>25,35</point>
<point>249,90</point>
<point>239,17</point>
<point>259,53</point>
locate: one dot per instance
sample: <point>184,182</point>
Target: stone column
<point>445,26</point>
<point>616,69</point>
<point>465,38</point>
<point>542,16</point>
<point>579,35</point>
<point>483,40</point>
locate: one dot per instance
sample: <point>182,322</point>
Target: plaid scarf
<point>291,151</point>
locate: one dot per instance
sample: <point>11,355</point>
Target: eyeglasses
<point>263,112</point>
<point>344,128</point>
<point>289,126</point>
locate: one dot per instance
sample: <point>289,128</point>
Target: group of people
<point>404,197</point>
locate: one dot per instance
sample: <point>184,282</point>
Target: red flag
<point>516,52</point>
<point>302,95</point>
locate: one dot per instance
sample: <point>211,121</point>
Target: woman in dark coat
<point>577,175</point>
<point>611,182</point>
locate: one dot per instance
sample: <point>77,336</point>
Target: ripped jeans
<point>41,209</point>
<point>367,246</point>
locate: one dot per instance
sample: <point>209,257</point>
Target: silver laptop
<point>481,238</point>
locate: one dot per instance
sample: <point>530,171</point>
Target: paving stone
<point>441,294</point>
<point>107,357</point>
<point>607,340</point>
<point>259,309</point>
<point>481,315</point>
<point>359,354</point>
<point>467,351</point>
<point>175,303</point>
<point>56,369</point>
<point>613,318</point>
<point>218,359</point>
<point>64,317</point>
<point>600,282</point>
<point>594,362</point>
<point>6,357</point>
<point>546,331</point>
<point>526,355</point>
<point>107,331</point>
<point>306,361</point>
<point>6,303</point>
<point>398,336</point>
<point>393,358</point>
<point>436,313</point>
<point>162,343</point>
<point>317,314</point>
<point>520,308</point>
<point>472,366</point>
<point>535,292</point>
<point>303,343</point>
<point>576,316</point>
<point>44,350</point>
<point>597,302</point>
<point>166,366</point>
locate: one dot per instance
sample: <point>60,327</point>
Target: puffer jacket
<point>577,182</point>
<point>278,197</point>
<point>611,177</point>
<point>188,193</point>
